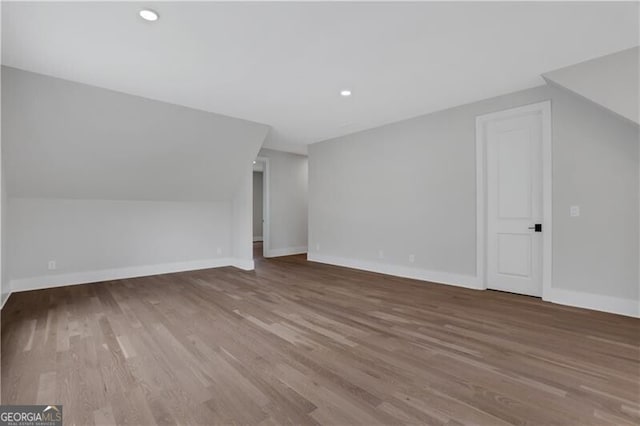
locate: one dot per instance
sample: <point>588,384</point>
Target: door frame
<point>544,108</point>
<point>266,234</point>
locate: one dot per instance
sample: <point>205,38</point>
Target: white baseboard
<point>244,264</point>
<point>467,281</point>
<point>614,305</point>
<point>578,299</point>
<point>4,300</point>
<point>597,302</point>
<point>258,238</point>
<point>86,277</point>
<point>287,251</point>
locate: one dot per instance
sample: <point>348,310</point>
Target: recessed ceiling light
<point>254,162</point>
<point>345,93</point>
<point>149,15</point>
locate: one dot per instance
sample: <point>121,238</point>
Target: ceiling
<point>284,64</point>
<point>62,139</point>
<point>610,81</point>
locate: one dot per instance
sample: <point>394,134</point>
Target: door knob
<point>537,227</point>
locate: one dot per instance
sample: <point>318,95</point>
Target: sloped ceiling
<point>284,63</point>
<point>610,81</point>
<point>62,139</point>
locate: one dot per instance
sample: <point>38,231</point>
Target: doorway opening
<point>260,207</point>
<point>513,162</point>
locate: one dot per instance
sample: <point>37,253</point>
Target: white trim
<point>598,302</point>
<point>467,281</point>
<point>244,264</point>
<point>480,203</point>
<point>266,218</point>
<point>286,251</point>
<point>481,221</point>
<point>5,299</point>
<point>547,198</point>
<point>86,277</point>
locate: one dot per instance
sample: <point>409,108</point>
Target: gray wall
<point>288,202</point>
<point>409,188</point>
<point>63,139</point>
<point>4,231</point>
<point>257,206</point>
<point>595,166</point>
<point>4,276</point>
<point>99,180</point>
<point>241,221</point>
<point>92,235</point>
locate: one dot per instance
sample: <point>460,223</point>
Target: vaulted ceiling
<point>61,139</point>
<point>611,81</point>
<point>284,64</point>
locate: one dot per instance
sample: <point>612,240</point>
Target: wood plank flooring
<point>295,342</point>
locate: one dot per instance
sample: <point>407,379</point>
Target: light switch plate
<point>574,211</point>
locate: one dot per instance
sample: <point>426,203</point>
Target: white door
<point>514,203</point>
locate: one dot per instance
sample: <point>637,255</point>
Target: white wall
<point>409,188</point>
<point>288,203</point>
<point>257,205</point>
<point>85,236</point>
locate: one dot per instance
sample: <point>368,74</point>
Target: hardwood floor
<point>304,343</point>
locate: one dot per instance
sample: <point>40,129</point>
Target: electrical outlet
<point>219,250</point>
<point>51,265</point>
<point>574,211</point>
<point>381,254</point>
<point>412,258</point>
<point>317,246</point>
